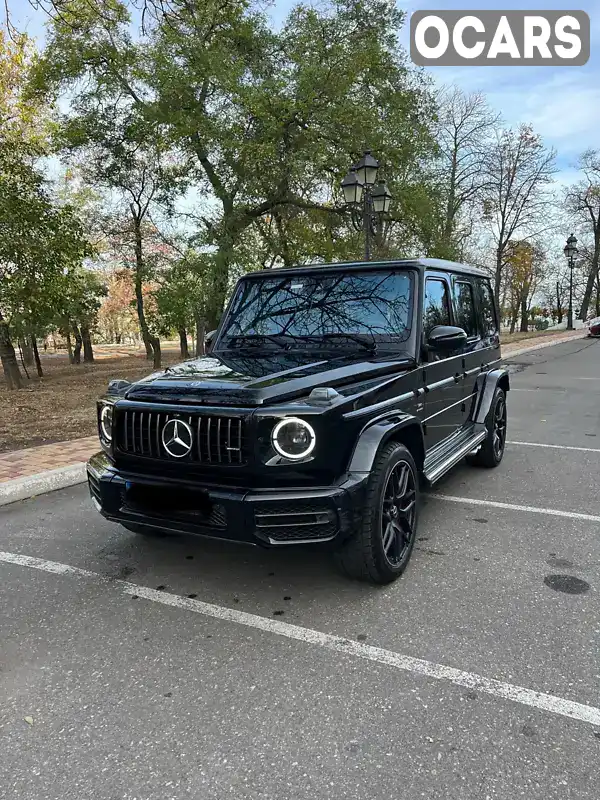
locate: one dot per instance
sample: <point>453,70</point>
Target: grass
<point>507,338</point>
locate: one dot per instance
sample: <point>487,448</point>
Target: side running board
<point>449,454</point>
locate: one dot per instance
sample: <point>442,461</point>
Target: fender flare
<point>375,434</point>
<point>486,386</point>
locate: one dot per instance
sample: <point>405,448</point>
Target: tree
<point>265,121</point>
<point>180,300</point>
<point>518,171</point>
<point>583,202</point>
<point>38,242</point>
<point>524,263</point>
<point>465,132</point>
<point>78,309</point>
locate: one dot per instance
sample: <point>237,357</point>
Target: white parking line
<point>553,512</point>
<point>557,446</point>
<point>441,672</point>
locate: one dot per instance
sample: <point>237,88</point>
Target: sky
<point>561,103</point>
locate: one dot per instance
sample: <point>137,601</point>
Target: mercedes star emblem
<point>177,438</point>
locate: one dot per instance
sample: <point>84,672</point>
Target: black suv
<point>330,395</point>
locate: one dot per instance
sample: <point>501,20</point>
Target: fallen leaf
<point>29,720</point>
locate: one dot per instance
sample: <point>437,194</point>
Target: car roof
<point>421,264</point>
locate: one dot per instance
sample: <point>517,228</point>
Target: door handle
<point>457,377</point>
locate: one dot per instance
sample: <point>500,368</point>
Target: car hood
<point>235,379</point>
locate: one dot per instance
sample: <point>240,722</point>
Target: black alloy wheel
<point>380,548</point>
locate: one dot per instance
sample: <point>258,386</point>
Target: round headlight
<point>293,438</point>
<point>106,422</point>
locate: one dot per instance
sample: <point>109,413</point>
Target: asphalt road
<point>113,695</point>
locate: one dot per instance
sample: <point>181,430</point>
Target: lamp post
<point>368,199</point>
<point>570,252</point>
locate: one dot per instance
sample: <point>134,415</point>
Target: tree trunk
<point>598,295</point>
<point>593,275</point>
<point>147,338</point>
<point>69,347</point>
<point>559,311</point>
<point>88,350</point>
<point>26,351</point>
<point>183,343</point>
<point>21,342</point>
<point>524,316</point>
<point>36,355</point>
<point>200,334</point>
<point>12,374</point>
<point>78,343</point>
<point>220,279</point>
<point>155,344</point>
<point>498,276</point>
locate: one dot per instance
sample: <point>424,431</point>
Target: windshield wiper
<point>368,345</point>
<point>256,339</point>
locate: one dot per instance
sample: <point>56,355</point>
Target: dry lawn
<point>62,404</point>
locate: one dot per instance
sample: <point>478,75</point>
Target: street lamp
<point>570,252</point>
<point>368,199</point>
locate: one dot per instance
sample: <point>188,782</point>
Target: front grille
<point>215,439</point>
<point>293,522</point>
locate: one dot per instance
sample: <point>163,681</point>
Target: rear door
<point>465,317</point>
<point>441,374</point>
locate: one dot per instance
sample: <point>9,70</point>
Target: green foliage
<point>180,297</point>
<point>263,124</point>
<point>39,242</point>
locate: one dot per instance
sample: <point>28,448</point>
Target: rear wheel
<point>380,548</point>
<point>491,451</point>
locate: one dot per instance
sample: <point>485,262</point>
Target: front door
<point>442,373</point>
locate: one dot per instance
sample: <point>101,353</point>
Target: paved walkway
<point>23,463</point>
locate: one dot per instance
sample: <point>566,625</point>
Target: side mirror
<point>208,340</point>
<point>446,337</point>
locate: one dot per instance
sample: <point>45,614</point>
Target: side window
<point>436,309</point>
<point>464,307</point>
<point>488,309</point>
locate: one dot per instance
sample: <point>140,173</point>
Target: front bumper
<point>258,516</point>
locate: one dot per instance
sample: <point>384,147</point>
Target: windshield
<point>340,308</point>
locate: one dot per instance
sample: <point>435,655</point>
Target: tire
<point>380,549</point>
<point>491,451</point>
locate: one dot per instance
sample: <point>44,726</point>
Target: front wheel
<point>491,451</point>
<point>380,548</point>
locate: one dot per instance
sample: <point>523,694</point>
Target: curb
<point>43,482</point>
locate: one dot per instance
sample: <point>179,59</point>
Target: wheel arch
<point>404,429</point>
<point>495,379</point>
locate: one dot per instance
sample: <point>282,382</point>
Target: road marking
<point>558,446</point>
<point>429,669</point>
<point>553,512</point>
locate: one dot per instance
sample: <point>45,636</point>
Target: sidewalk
<point>33,460</point>
<point>25,473</point>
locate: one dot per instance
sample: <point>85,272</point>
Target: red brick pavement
<point>20,463</point>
